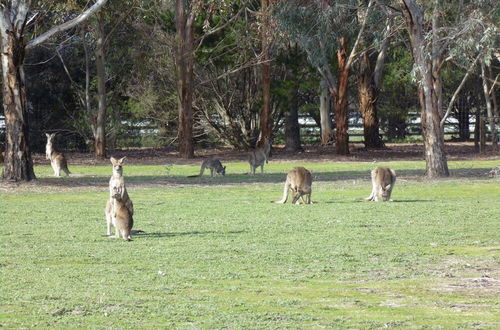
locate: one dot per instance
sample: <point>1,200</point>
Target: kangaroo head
<point>223,171</point>
<point>50,137</point>
<point>117,165</point>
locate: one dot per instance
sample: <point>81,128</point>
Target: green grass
<point>217,254</point>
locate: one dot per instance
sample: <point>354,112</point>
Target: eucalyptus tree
<point>187,12</point>
<point>94,59</point>
<point>370,74</point>
<point>326,30</point>
<point>17,35</point>
<point>434,40</point>
<point>266,36</point>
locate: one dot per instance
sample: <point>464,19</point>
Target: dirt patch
<point>484,284</point>
<point>150,156</point>
<point>165,156</point>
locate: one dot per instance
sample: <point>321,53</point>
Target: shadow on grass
<point>189,233</point>
<point>231,179</point>
<point>413,201</point>
<point>361,200</point>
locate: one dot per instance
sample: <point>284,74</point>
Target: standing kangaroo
<point>383,180</point>
<point>57,158</point>
<point>259,157</point>
<point>299,180</point>
<point>116,203</point>
<point>121,215</point>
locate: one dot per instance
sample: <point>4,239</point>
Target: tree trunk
<point>435,157</point>
<point>100,129</point>
<point>340,102</point>
<point>292,127</point>
<point>265,115</point>
<point>14,15</point>
<point>437,81</point>
<point>325,104</point>
<point>368,94</point>
<point>185,77</point>
<point>18,165</point>
<point>489,106</point>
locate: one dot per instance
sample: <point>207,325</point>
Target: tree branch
<point>379,65</point>
<point>350,60</point>
<point>452,101</point>
<point>67,25</point>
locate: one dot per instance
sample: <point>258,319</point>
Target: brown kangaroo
<point>299,180</point>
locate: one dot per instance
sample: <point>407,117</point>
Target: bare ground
<point>414,151</point>
<point>165,156</point>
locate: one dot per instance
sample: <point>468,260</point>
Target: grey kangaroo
<point>383,180</point>
<point>117,185</point>
<point>57,159</point>
<point>259,157</point>
<point>214,165</point>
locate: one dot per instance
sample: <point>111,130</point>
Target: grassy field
<point>215,253</point>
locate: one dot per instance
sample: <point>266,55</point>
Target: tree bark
<point>18,165</point>
<point>368,94</point>
<point>100,129</point>
<point>185,78</point>
<point>489,106</point>
<point>370,80</point>
<point>325,104</point>
<point>340,101</point>
<point>437,81</point>
<point>265,115</point>
<point>435,157</point>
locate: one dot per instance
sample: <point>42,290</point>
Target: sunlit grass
<point>216,253</point>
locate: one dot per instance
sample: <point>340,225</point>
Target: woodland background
<point>195,74</point>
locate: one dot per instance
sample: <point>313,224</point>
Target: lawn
<point>215,253</point>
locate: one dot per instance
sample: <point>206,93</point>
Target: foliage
<point>317,26</point>
<point>398,97</point>
<point>417,262</point>
<point>141,74</point>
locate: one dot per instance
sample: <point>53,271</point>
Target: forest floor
<point>312,153</point>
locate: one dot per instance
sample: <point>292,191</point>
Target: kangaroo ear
<point>47,135</point>
<point>224,168</point>
<point>121,159</point>
<point>388,187</point>
<point>113,160</point>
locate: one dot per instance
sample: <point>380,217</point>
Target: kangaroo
<point>121,216</point>
<point>117,183</point>
<point>57,158</point>
<point>299,180</point>
<point>212,164</point>
<point>383,180</point>
<point>259,157</point>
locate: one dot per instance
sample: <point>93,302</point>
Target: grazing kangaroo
<point>57,159</point>
<point>213,165</point>
<point>259,157</point>
<point>117,184</point>
<point>299,180</point>
<point>383,180</point>
<point>121,215</point>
